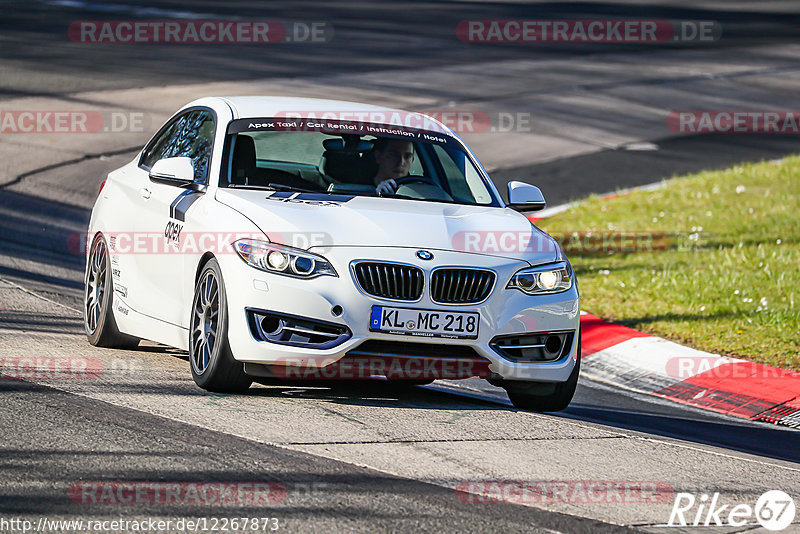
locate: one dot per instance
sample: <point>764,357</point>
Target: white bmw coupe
<point>316,239</point>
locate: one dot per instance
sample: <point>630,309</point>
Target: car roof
<point>246,107</point>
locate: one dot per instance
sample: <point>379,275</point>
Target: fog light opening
<point>552,344</point>
<point>337,311</point>
<point>271,325</point>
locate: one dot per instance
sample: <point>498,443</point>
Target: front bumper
<point>339,301</point>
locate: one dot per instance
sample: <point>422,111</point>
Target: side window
<point>155,151</point>
<point>465,182</point>
<point>454,173</point>
<point>416,165</point>
<point>477,187</point>
<point>190,135</point>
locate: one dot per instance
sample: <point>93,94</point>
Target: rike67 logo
<point>774,510</point>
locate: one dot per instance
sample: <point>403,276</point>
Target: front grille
<point>390,280</point>
<point>461,286</point>
<point>380,347</point>
<point>400,360</point>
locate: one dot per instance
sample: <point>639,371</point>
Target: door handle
<point>144,192</point>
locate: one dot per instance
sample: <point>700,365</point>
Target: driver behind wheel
<point>394,158</point>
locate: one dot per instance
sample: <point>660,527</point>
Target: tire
<point>544,396</point>
<point>98,301</point>
<point>213,366</point>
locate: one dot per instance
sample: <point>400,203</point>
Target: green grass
<point>728,279</point>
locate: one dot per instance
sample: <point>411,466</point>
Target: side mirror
<point>525,197</point>
<point>173,171</point>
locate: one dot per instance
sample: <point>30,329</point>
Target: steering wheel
<point>412,178</point>
<point>426,188</point>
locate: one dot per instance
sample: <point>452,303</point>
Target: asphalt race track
<point>367,457</point>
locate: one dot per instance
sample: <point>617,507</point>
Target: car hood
<point>315,221</point>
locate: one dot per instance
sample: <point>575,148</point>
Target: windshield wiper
<point>407,197</point>
<point>276,187</point>
<point>281,187</point>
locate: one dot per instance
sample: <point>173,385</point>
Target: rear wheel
<point>544,396</point>
<point>213,365</point>
<point>98,301</point>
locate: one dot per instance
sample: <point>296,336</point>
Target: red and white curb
<point>633,360</point>
<point>636,361</point>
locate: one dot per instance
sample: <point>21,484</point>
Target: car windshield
<point>424,165</point>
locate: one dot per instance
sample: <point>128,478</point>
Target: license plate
<point>427,323</point>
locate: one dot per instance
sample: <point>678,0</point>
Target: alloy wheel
<point>205,321</point>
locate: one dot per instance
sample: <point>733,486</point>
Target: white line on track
<point>38,296</point>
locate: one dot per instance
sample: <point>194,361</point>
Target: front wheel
<point>98,300</point>
<point>543,396</point>
<point>213,365</point>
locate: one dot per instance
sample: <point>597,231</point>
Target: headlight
<point>283,260</point>
<point>543,280</point>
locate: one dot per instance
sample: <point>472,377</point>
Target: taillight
<point>102,185</point>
